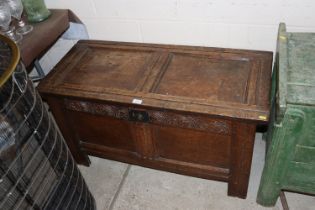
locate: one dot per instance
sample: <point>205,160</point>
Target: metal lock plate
<point>138,116</point>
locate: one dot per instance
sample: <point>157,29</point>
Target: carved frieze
<point>208,124</point>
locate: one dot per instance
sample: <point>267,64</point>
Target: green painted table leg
<point>279,153</point>
<point>269,188</point>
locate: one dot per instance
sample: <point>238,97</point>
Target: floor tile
<point>103,178</point>
<point>298,201</point>
<point>155,190</point>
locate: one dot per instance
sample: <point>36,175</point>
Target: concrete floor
<point>119,186</point>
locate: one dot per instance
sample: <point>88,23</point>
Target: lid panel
<point>205,77</point>
<point>296,75</point>
<point>110,68</point>
<point>301,66</point>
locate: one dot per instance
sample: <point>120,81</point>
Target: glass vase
<point>36,10</point>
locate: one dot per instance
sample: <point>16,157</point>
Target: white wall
<point>250,24</point>
<point>245,24</point>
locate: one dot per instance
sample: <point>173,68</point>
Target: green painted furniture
<point>290,158</point>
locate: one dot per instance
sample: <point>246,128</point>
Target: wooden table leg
<point>283,200</point>
<point>57,107</point>
<point>241,158</point>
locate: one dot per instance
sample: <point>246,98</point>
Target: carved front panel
<point>189,121</point>
<point>165,118</point>
<point>96,108</point>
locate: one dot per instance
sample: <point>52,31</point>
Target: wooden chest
<point>188,110</point>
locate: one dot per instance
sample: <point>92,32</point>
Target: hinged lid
<point>296,69</point>
<point>222,82</point>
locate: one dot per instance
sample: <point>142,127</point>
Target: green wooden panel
<point>282,64</point>
<point>300,177</point>
<point>290,159</point>
<point>304,154</point>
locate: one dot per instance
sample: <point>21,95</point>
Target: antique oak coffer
<point>188,110</point>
